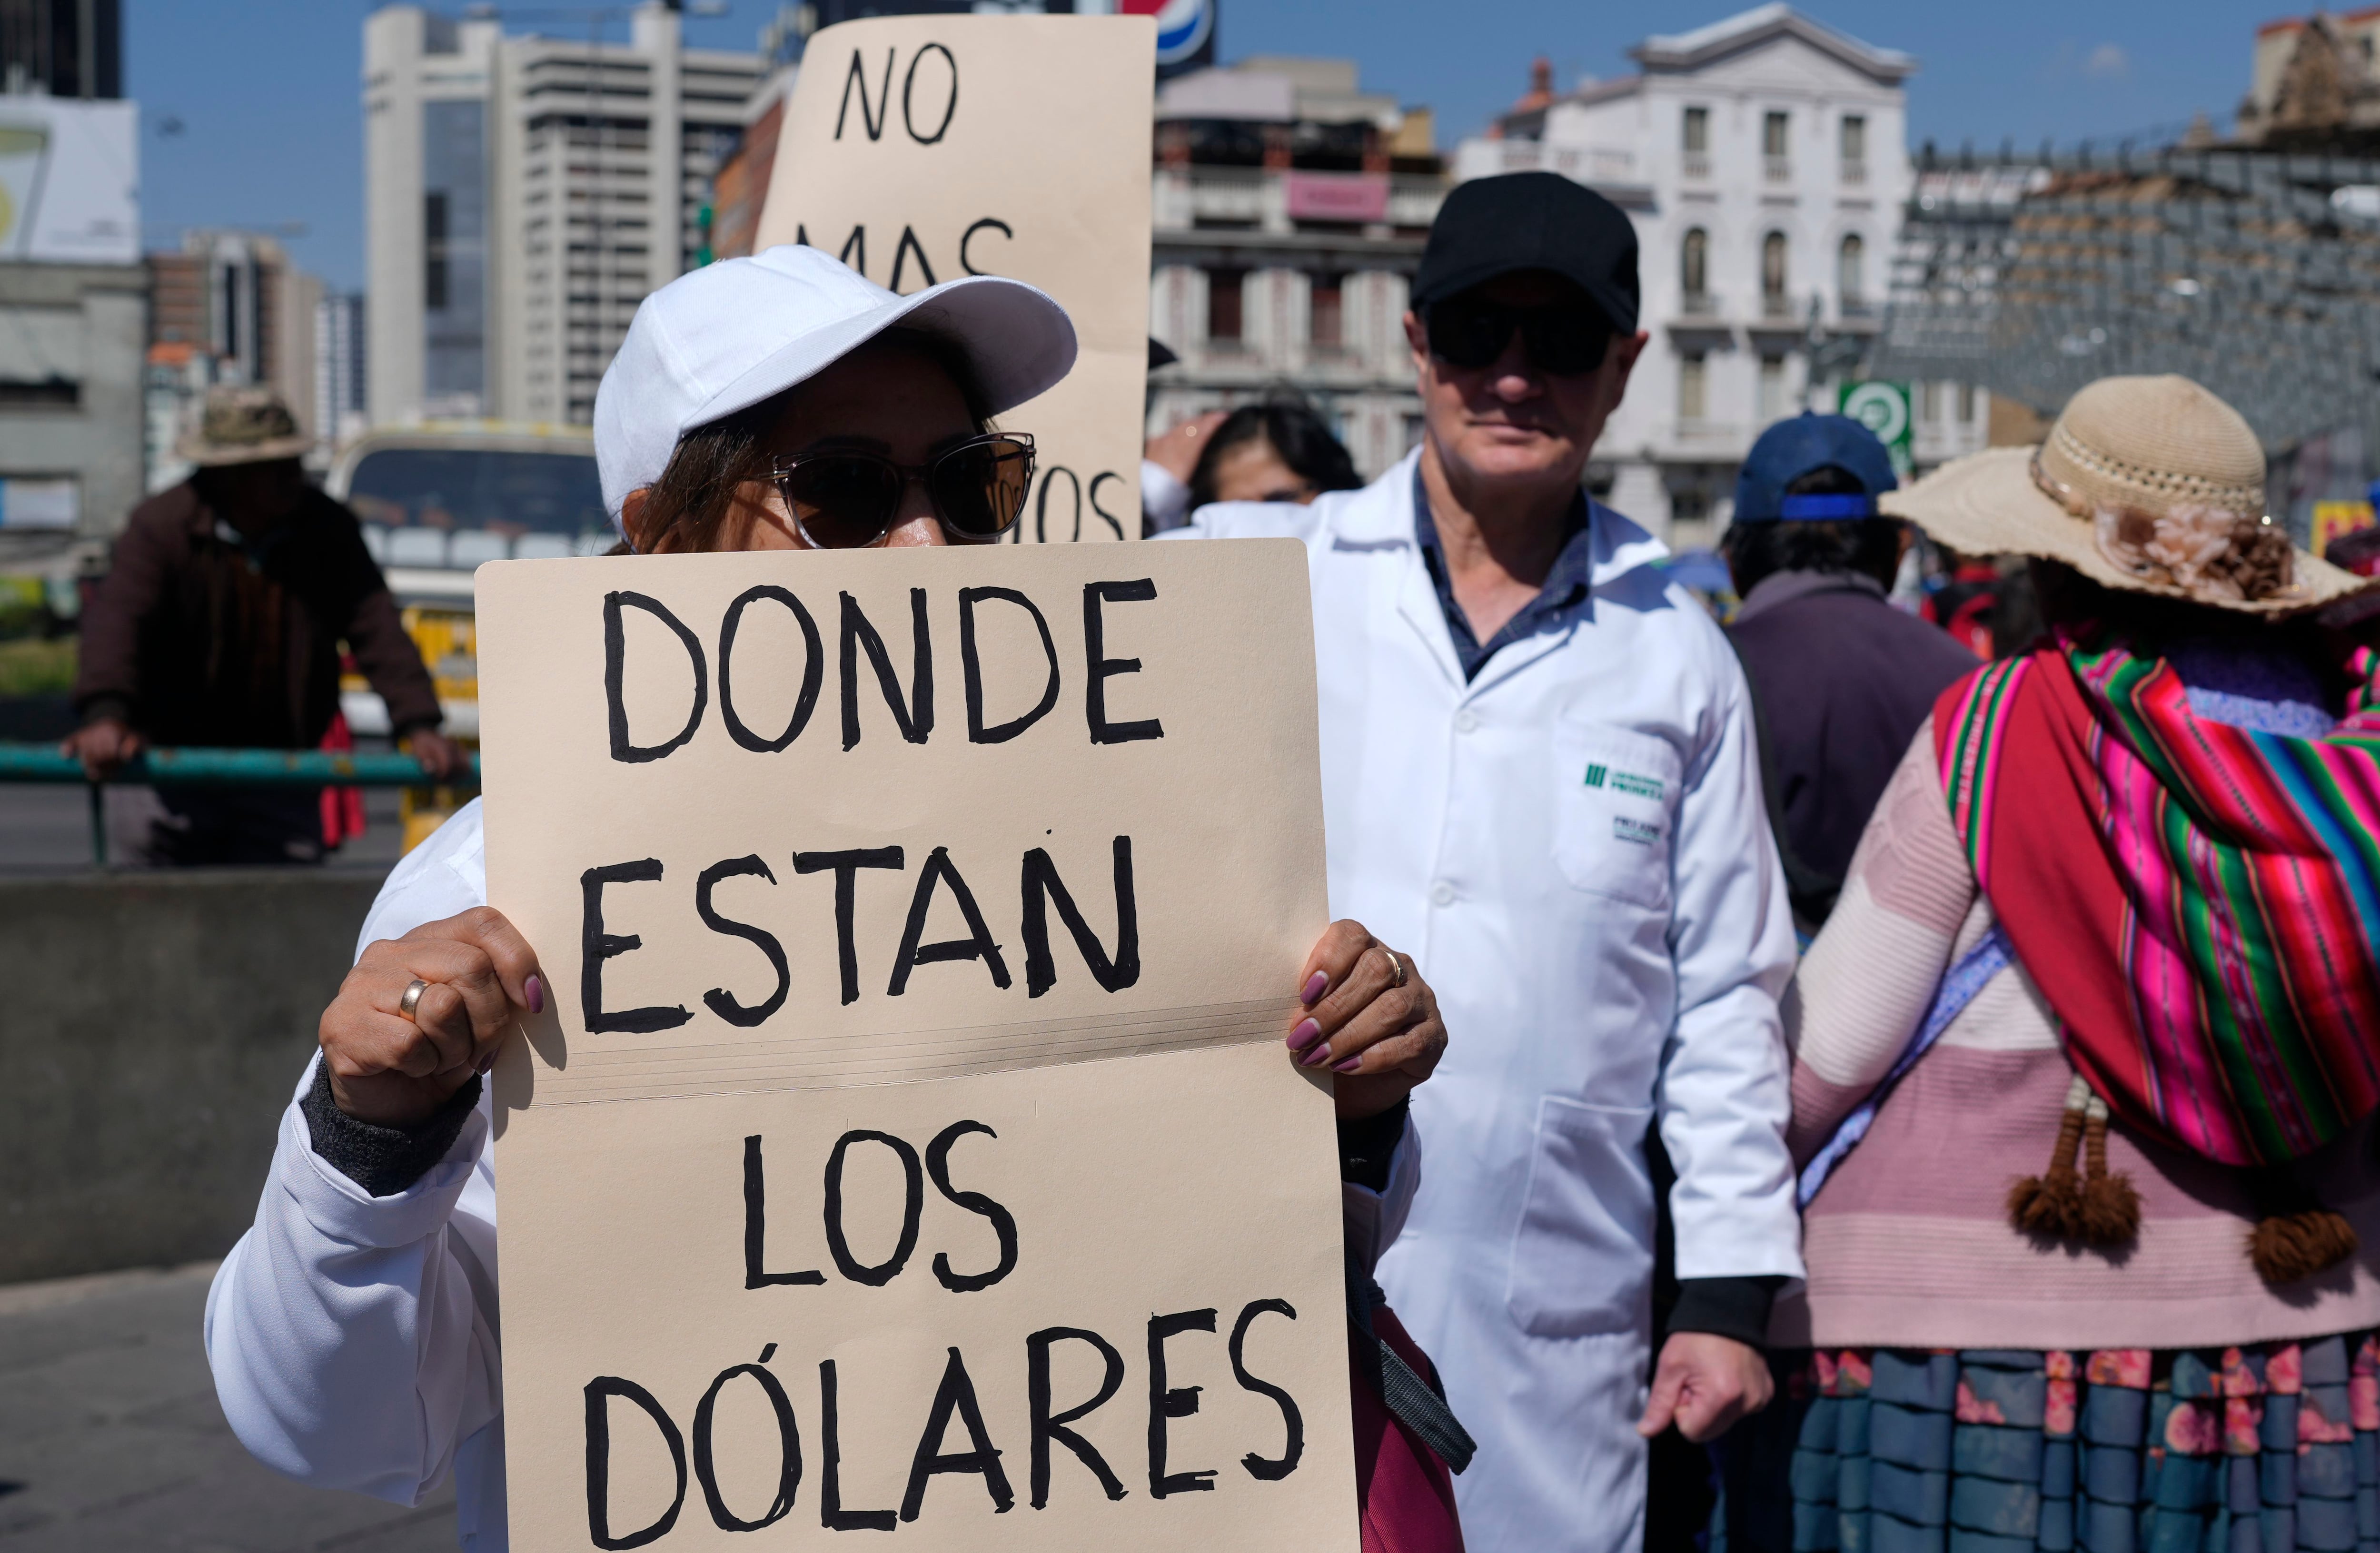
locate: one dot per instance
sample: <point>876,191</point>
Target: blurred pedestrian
<point>1967,602</point>
<point>1279,451</point>
<point>2100,1011</point>
<point>1840,679</point>
<point>1539,771</point>
<point>220,623</point>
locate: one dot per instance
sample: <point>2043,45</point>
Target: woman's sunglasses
<point>848,500</point>
<point>1562,341</point>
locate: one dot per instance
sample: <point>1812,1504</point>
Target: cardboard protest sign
<point>911,1143</point>
<point>919,149</point>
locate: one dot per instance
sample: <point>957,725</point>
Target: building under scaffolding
<point>2255,272</point>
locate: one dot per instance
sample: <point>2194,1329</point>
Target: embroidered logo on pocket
<point>1627,782</point>
<point>1635,831</point>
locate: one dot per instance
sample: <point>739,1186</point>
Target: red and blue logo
<point>1184,27</point>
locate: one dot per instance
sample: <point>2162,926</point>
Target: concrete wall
<point>154,1028</point>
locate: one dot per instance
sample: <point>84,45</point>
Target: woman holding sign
<point>773,403</point>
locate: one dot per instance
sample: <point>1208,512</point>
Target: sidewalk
<point>110,1436</point>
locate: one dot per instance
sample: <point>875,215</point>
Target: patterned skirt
<point>2258,1450</point>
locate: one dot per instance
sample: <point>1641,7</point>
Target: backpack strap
<point>1414,1402</point>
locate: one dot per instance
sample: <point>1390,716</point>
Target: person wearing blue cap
<point>1840,680</point>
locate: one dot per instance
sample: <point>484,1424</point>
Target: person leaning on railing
<point>219,624</point>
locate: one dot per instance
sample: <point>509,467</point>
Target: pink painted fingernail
<point>1315,984</point>
<point>1350,1065</point>
<point>1305,1035</point>
<point>534,988</point>
<point>486,1063</point>
<point>1316,1057</point>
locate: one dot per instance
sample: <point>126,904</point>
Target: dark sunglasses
<point>848,500</point>
<point>1563,341</point>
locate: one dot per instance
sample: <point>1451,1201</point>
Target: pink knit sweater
<point>1909,1243</point>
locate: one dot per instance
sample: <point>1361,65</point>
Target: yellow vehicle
<point>437,502</point>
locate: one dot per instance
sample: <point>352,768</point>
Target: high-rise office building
<point>523,194</point>
<point>63,48</point>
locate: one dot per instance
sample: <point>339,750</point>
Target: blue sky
<point>267,102</point>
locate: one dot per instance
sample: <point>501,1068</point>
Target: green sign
<point>1883,408</point>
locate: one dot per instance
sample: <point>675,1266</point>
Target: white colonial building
<point>1763,160</point>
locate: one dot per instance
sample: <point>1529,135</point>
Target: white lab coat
<point>1573,848</point>
<point>354,1340</point>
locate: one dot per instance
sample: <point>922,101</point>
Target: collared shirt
<point>1564,594</point>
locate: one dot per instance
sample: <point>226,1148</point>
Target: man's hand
<point>1176,448</point>
<point>102,747</point>
<point>439,756</point>
<point>1704,1384</point>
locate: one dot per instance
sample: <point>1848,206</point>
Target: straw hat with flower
<point>2150,484</point>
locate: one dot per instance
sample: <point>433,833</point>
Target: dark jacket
<point>196,639</point>
<point>1842,682</point>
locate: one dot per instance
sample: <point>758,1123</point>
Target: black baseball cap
<point>1532,221</point>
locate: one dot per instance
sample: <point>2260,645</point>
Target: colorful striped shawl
<point>2199,903</point>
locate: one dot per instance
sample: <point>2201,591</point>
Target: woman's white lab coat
<point>1574,849</point>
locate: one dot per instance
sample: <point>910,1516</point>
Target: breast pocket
<point>1583,1256</point>
<point>1616,803</point>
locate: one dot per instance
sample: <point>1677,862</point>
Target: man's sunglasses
<point>1563,341</point>
<point>848,500</point>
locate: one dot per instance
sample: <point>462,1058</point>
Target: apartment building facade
<point>1290,209</point>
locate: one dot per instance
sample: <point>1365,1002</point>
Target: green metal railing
<point>221,768</point>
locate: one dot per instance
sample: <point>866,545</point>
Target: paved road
<point>110,1439</point>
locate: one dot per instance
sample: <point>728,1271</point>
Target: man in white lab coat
<point>1539,775</point>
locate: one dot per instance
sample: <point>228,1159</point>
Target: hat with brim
<point>2145,484</point>
<point>729,335</point>
<point>242,426</point>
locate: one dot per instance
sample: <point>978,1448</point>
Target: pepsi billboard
<point>1185,33</point>
<point>1186,29</point>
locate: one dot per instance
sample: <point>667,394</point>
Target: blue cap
<point>1792,448</point>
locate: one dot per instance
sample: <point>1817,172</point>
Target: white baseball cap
<point>728,336</point>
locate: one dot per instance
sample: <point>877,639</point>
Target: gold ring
<point>412,998</point>
<point>1396,961</point>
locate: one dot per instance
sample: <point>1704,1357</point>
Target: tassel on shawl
<point>2050,1205</point>
<point>2295,1236</point>
<point>2090,1206</point>
<point>2110,1208</point>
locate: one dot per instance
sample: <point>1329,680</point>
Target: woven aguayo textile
<point>2198,902</point>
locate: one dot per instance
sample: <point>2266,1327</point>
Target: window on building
<point>1773,141</point>
<point>1694,267</point>
<point>1851,270</point>
<point>1697,130</point>
<point>434,252</point>
<point>1225,290</point>
<point>1328,317</point>
<point>1772,388</point>
<point>1855,146</point>
<point>1920,403</point>
<point>1694,380</point>
<point>1966,403</point>
<point>1772,274</point>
